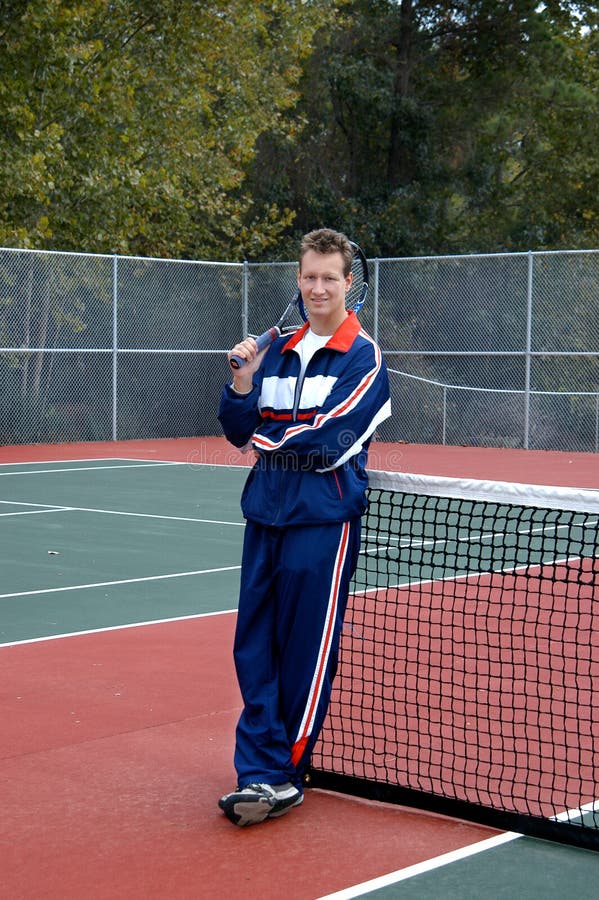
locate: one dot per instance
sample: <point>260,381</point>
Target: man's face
<point>323,287</point>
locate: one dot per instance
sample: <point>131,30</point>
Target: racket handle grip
<point>263,340</point>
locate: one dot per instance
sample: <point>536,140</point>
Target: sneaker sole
<point>243,810</point>
<point>276,813</point>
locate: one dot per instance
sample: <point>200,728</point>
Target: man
<point>309,404</point>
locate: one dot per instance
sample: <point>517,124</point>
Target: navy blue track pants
<point>292,601</point>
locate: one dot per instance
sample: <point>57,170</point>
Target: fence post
<point>444,414</point>
<point>244,299</point>
<point>375,300</point>
<point>114,345</point>
<point>527,361</point>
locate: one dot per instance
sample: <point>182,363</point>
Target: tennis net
<point>468,681</point>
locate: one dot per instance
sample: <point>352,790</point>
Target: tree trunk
<point>398,165</point>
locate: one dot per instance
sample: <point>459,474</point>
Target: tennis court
<point>120,568</point>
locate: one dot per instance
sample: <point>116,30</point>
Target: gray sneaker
<point>257,802</point>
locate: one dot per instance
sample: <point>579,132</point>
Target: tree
<point>128,126</point>
<point>445,127</point>
<point>525,170</point>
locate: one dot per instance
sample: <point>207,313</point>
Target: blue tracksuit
<point>302,500</point>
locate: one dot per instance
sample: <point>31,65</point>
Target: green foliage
<point>128,126</point>
<point>224,129</point>
<point>440,127</point>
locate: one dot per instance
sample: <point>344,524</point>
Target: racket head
<point>358,290</point>
<point>356,296</point>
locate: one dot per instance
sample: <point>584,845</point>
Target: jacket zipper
<point>296,397</point>
<point>300,383</point>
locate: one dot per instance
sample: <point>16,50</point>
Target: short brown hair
<point>325,240</point>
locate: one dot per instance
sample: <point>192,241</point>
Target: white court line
<point>79,587</point>
<point>56,508</point>
<point>58,637</point>
<point>428,865</point>
<point>43,462</point>
<point>467,576</point>
<point>129,461</point>
<point>150,464</point>
<point>32,512</point>
<point>243,467</point>
<point>120,512</point>
<point>445,859</point>
<point>402,543</point>
<point>577,812</point>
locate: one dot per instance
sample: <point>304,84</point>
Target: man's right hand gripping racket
<point>354,301</point>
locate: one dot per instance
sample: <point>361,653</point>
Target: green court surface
<point>524,869</point>
<point>99,544</point>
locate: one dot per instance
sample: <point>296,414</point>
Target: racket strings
<point>359,287</point>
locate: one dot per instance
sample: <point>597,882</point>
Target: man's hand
<point>248,350</point>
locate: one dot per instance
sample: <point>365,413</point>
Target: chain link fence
<point>499,350</point>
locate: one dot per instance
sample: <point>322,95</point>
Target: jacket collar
<point>341,340</point>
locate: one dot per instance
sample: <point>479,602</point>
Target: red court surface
<point>116,745</point>
<point>525,466</point>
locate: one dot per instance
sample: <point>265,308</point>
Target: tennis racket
<point>354,301</point>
